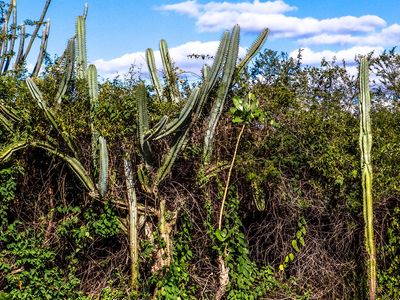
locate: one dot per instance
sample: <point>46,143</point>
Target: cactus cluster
<point>67,62</point>
<point>9,36</point>
<point>221,73</point>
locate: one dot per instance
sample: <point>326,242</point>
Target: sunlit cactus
<point>9,33</point>
<point>366,168</point>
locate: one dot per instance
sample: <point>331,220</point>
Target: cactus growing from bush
<point>99,145</point>
<point>366,168</point>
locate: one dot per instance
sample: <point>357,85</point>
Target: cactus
<point>151,64</point>
<point>133,223</point>
<point>49,113</point>
<point>169,72</point>
<point>69,57</point>
<point>23,52</point>
<point>229,70</point>
<point>366,168</point>
<point>72,162</point>
<point>81,46</point>
<point>99,145</point>
<point>43,47</point>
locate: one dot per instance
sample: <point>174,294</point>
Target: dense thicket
<point>292,224</point>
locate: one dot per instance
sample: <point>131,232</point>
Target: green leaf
<point>295,246</point>
<point>238,102</point>
<point>291,256</point>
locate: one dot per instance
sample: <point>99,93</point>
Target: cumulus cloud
<point>179,54</point>
<point>255,16</point>
<point>388,36</point>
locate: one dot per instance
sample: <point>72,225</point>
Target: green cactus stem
<point>69,57</point>
<point>35,32</point>
<point>170,75</point>
<point>143,126</point>
<point>103,167</point>
<point>42,51</point>
<point>155,80</point>
<point>37,95</point>
<point>366,168</point>
<point>216,110</point>
<point>81,46</point>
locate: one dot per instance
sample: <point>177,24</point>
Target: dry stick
<point>229,177</point>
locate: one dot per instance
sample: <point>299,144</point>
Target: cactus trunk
<point>366,169</point>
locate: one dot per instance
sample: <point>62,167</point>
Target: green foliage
<point>177,284</point>
<point>246,110</point>
<point>8,188</point>
<point>246,279</point>
<point>389,276</point>
<point>297,243</point>
<point>30,269</point>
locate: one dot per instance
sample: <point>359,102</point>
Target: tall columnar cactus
<point>71,155</point>
<point>229,70</point>
<point>81,46</point>
<point>222,71</point>
<point>9,36</point>
<point>366,169</point>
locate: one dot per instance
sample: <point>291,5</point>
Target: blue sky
<point>120,31</point>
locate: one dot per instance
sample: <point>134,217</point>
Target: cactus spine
<point>366,169</point>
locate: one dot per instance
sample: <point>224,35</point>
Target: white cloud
<point>388,36</point>
<point>192,8</point>
<point>257,15</point>
<point>179,54</point>
<point>311,57</point>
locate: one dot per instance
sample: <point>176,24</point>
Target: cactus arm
<point>216,110</point>
<point>366,167</point>
<point>35,31</point>
<point>253,50</point>
<point>205,71</point>
<point>151,64</point>
<point>81,46</point>
<point>22,38</point>
<point>6,123</point>
<point>72,162</point>
<point>150,134</point>
<point>69,56</point>
<point>4,45</point>
<point>9,150</point>
<point>85,11</point>
<point>43,47</point>
<point>163,171</point>
<point>169,72</point>
<point>74,165</point>
<point>49,114</point>
<point>13,36</point>
<point>185,114</point>
<point>144,178</point>
<point>213,73</point>
<point>103,168</point>
<point>9,113</point>
<point>143,126</point>
<point>8,117</point>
